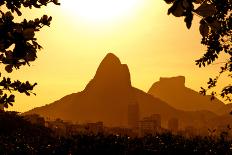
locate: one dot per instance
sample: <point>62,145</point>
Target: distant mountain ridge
<point>173,91</point>
<point>107,96</point>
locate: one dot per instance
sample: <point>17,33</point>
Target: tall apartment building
<point>149,125</point>
<point>133,115</point>
<point>173,124</point>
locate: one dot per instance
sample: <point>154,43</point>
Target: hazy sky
<point>139,32</point>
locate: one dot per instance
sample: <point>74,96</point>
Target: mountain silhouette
<point>107,96</point>
<point>173,91</point>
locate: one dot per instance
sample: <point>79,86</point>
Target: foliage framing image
<point>18,44</point>
<point>216,31</point>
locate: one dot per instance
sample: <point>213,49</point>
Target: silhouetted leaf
<point>18,12</point>
<point>204,29</point>
<point>177,9</point>
<point>188,20</point>
<point>8,68</point>
<point>186,4</point>
<point>28,33</point>
<point>215,25</point>
<point>206,10</point>
<point>198,1</point>
<point>5,105</point>
<point>169,1</point>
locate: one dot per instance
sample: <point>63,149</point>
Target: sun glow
<point>100,10</point>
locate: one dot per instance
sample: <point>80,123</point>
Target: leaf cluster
<point>18,44</point>
<point>7,85</point>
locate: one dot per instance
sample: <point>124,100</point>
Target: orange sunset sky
<point>82,32</point>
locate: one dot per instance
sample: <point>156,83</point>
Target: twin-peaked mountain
<point>107,97</point>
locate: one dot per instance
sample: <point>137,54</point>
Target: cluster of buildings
<point>148,125</point>
<point>136,126</point>
<point>63,128</point>
<point>66,128</point>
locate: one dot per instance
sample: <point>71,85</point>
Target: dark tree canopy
<point>216,30</point>
<point>18,44</point>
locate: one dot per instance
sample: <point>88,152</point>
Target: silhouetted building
<point>120,131</point>
<point>190,131</point>
<point>173,124</point>
<point>35,119</point>
<point>157,119</point>
<point>94,127</point>
<point>222,128</point>
<point>58,126</point>
<point>150,124</point>
<point>133,115</point>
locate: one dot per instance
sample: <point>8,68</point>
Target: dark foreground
<point>18,136</point>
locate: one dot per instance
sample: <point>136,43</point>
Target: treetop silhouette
<point>18,44</point>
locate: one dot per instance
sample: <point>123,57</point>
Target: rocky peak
<point>176,81</point>
<point>111,74</point>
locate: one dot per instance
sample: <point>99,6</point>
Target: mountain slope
<point>173,91</point>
